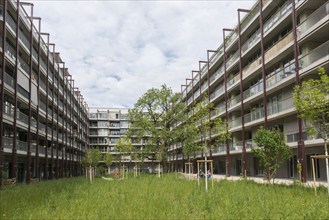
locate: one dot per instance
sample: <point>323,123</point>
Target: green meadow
<point>168,197</point>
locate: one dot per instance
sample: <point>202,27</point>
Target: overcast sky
<point>117,50</point>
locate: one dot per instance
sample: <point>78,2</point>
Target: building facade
<point>250,79</point>
<point>44,119</point>
<point>109,125</point>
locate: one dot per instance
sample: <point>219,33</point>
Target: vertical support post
<point>212,174</point>
<point>198,174</point>
<point>14,151</point>
<point>228,158</point>
<point>263,63</point>
<point>244,153</point>
<point>313,172</point>
<point>38,106</point>
<point>28,159</point>
<point>206,172</point>
<point>47,103</point>
<point>301,146</point>
<point>2,96</point>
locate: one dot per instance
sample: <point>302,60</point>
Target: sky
<point>117,50</point>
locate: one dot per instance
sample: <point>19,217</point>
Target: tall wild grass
<point>168,197</point>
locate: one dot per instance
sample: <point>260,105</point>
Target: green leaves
<point>153,116</point>
<point>200,126</point>
<point>272,150</point>
<point>91,158</point>
<point>311,100</point>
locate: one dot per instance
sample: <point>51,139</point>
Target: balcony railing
<point>8,142</point>
<point>274,19</point>
<point>313,19</point>
<point>9,109</point>
<point>23,65</point>
<point>11,23</point>
<point>271,22</point>
<point>217,74</point>
<point>314,56</point>
<point>25,41</point>
<point>273,51</point>
<point>233,101</point>
<point>22,117</point>
<point>42,127</point>
<point>10,52</point>
<point>272,108</point>
<point>217,92</point>
<point>21,145</point>
<point>9,80</point>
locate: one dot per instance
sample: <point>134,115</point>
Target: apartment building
<point>109,125</point>
<point>44,119</point>
<point>250,80</point>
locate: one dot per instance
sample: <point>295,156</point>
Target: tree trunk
<point>90,174</point>
<point>327,163</point>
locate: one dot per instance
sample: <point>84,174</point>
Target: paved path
<point>259,180</point>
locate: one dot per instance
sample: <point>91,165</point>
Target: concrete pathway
<point>217,177</point>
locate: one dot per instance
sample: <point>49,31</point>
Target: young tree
<point>124,147</point>
<point>217,127</point>
<point>108,160</point>
<point>189,138</point>
<point>272,150</point>
<point>206,126</point>
<point>311,100</point>
<point>90,160</point>
<point>153,116</point>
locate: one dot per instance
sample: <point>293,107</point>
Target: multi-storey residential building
<point>44,119</point>
<point>106,127</point>
<point>250,80</point>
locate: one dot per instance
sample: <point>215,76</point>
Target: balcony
<point>233,101</point>
<point>42,128</point>
<point>232,59</point>
<point>272,109</point>
<point>11,53</point>
<point>316,18</point>
<point>21,117</point>
<point>43,65</point>
<point>9,80</point>
<point>9,110</point>
<point>11,23</point>
<point>270,23</point>
<point>233,80</point>
<point>315,57</point>
<point>25,41</point>
<point>218,91</point>
<point>217,74</point>
<point>284,10</point>
<point>21,146</point>
<point>24,66</point>
<point>8,142</point>
<point>276,49</point>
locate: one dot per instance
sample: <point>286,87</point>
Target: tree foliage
<point>152,118</point>
<point>90,160</point>
<point>204,125</point>
<point>311,100</point>
<point>272,150</point>
<point>108,159</point>
<point>124,147</point>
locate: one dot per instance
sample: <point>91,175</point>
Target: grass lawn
<point>169,197</point>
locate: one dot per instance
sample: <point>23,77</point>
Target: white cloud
<point>116,50</point>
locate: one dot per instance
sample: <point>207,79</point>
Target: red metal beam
<point>244,153</point>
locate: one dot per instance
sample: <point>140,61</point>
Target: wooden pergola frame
<point>211,171</point>
<point>313,169</point>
